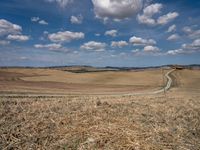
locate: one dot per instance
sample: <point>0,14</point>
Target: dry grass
<point>57,81</point>
<point>170,121</point>
<point>150,122</point>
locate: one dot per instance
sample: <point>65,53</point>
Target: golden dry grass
<point>147,122</point>
<point>170,121</point>
<point>150,77</point>
<point>57,81</point>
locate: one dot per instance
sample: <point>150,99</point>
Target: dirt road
<point>164,89</point>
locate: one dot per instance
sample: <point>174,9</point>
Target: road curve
<point>164,89</point>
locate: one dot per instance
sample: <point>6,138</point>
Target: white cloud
<point>193,34</point>
<point>57,47</point>
<point>173,37</point>
<point>150,11</point>
<point>119,43</point>
<point>116,9</point>
<point>61,3</point>
<point>145,20</point>
<point>95,46</point>
<point>45,32</point>
<point>135,51</point>
<point>4,42</point>
<point>112,33</point>
<point>186,48</point>
<point>19,38</point>
<point>7,27</point>
<point>97,34</point>
<point>195,45</point>
<point>35,19</point>
<point>65,36</point>
<point>187,29</point>
<point>76,19</point>
<point>48,46</point>
<point>43,22</point>
<point>172,28</point>
<point>139,41</point>
<point>162,20</point>
<point>150,48</point>
<point>176,51</point>
<point>38,20</point>
<point>11,31</point>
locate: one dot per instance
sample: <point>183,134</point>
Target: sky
<point>124,33</point>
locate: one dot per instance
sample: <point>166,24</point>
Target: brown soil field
<point>58,81</point>
<point>169,121</point>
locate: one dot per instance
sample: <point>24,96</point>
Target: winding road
<point>169,83</point>
<point>164,89</point>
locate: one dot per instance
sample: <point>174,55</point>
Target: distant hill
<point>83,69</point>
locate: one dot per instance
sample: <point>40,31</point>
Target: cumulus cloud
<point>95,46</point>
<point>150,48</point>
<point>176,51</point>
<point>52,47</point>
<point>35,19</point>
<point>20,38</point>
<point>195,45</point>
<point>150,11</point>
<point>116,9</point>
<point>43,22</point>
<point>112,33</point>
<point>48,46</point>
<point>193,34</point>
<point>172,28</point>
<point>11,31</point>
<point>40,21</point>
<point>7,27</point>
<point>76,19</point>
<point>65,36</point>
<point>61,3</point>
<point>4,42</point>
<point>173,37</point>
<point>162,20</point>
<point>119,44</point>
<point>140,41</point>
<point>187,29</point>
<point>186,48</point>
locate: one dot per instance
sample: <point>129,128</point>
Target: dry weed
<point>151,122</point>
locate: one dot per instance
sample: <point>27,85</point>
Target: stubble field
<point>91,111</point>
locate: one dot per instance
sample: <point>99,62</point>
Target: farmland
<point>92,111</point>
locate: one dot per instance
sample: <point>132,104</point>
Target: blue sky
<point>99,32</point>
